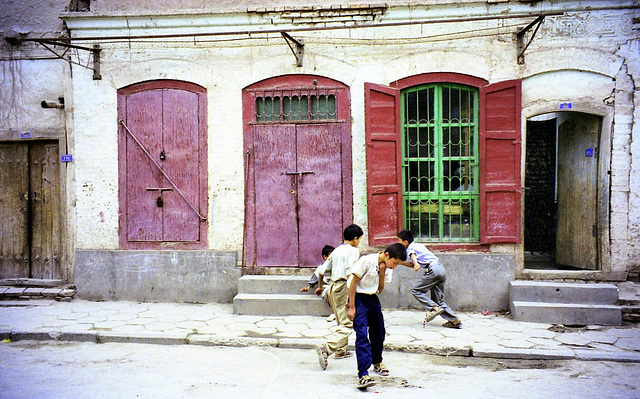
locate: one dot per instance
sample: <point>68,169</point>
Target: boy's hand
<point>351,313</point>
<point>318,291</point>
<point>305,289</point>
<point>416,267</point>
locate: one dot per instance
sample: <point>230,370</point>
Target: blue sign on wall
<point>588,152</point>
<point>66,158</point>
<point>25,135</point>
<point>566,105</point>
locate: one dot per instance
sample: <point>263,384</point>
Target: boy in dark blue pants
<point>366,281</point>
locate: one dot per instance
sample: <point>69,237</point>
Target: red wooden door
<point>163,165</point>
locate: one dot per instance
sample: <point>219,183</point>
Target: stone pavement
<point>496,336</point>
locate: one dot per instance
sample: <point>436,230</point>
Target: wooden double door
<point>30,210</point>
<point>298,169</point>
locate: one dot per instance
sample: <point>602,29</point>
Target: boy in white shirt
<point>366,281</point>
<point>338,265</point>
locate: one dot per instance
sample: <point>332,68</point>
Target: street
<point>33,369</point>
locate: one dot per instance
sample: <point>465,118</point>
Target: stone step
<point>272,284</point>
<point>550,292</point>
<point>567,313</point>
<point>64,293</point>
<point>280,305</point>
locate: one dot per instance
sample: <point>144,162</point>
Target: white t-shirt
<point>367,269</point>
<point>339,263</point>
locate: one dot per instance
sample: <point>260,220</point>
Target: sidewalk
<point>495,336</point>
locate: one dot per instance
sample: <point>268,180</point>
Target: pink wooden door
<point>319,192</point>
<point>163,165</point>
<point>275,200</point>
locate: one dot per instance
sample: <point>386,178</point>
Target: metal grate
<point>286,106</point>
<point>440,128</point>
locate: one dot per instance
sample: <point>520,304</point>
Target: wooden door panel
<point>180,145</point>
<point>14,194</point>
<point>320,193</point>
<point>576,242</point>
<point>276,233</point>
<point>144,118</point>
<point>46,210</point>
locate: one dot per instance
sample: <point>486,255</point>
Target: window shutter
<point>500,162</point>
<point>384,163</point>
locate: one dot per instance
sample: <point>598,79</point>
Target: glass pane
<point>422,219</point>
<point>267,109</point>
<point>295,108</point>
<point>420,177</point>
<point>457,219</point>
<point>323,107</point>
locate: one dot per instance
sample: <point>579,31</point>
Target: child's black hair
<point>397,251</point>
<point>352,231</point>
<point>326,251</point>
<point>406,235</point>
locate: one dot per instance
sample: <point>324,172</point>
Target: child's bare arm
<point>381,274</point>
<point>414,261</point>
<point>351,303</point>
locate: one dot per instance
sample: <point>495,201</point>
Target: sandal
<point>323,355</point>
<point>432,314</point>
<point>365,382</point>
<point>381,369</point>
<point>342,355</point>
<point>453,324</point>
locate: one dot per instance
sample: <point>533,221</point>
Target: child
<point>313,281</point>
<point>339,265</point>
<point>430,289</point>
<point>366,281</point>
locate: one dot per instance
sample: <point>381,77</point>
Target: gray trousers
<point>429,290</point>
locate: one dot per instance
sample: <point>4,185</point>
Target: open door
<point>577,239</point>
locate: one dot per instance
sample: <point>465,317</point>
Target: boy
<point>429,291</point>
<point>339,265</point>
<point>313,281</point>
<point>366,281</point>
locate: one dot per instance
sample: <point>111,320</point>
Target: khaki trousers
<point>339,294</point>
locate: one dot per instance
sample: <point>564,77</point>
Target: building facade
<point>197,144</point>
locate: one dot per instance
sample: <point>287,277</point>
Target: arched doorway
<point>561,191</point>
<point>297,143</point>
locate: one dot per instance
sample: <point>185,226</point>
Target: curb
<point>305,343</point>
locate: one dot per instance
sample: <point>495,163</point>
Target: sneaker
<point>331,317</point>
<point>432,314</point>
<point>453,324</point>
<point>380,369</point>
<point>343,355</point>
<point>365,382</point>
<point>323,355</point>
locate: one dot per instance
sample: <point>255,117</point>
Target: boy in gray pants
<point>429,290</point>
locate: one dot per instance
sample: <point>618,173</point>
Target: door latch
<point>160,202</point>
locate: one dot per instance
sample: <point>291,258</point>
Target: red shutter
<point>500,162</point>
<point>384,173</point>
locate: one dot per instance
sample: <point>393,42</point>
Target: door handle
<point>309,172</point>
<point>161,189</point>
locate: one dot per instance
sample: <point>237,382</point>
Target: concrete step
<point>280,305</point>
<point>567,313</point>
<point>542,291</point>
<point>63,293</point>
<point>272,284</point>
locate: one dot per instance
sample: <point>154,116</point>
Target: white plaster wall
<point>559,67</point>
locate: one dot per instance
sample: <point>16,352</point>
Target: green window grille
<point>285,108</point>
<point>440,162</point>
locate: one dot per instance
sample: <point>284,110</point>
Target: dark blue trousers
<point>369,327</point>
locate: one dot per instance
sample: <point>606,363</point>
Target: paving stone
<point>271,323</point>
<point>516,343</point>
<point>573,339</point>
<point>190,324</point>
<point>33,291</point>
<point>599,336</point>
<point>13,292</point>
<point>313,333</point>
<point>510,335</point>
<point>629,343</point>
<point>397,338</point>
